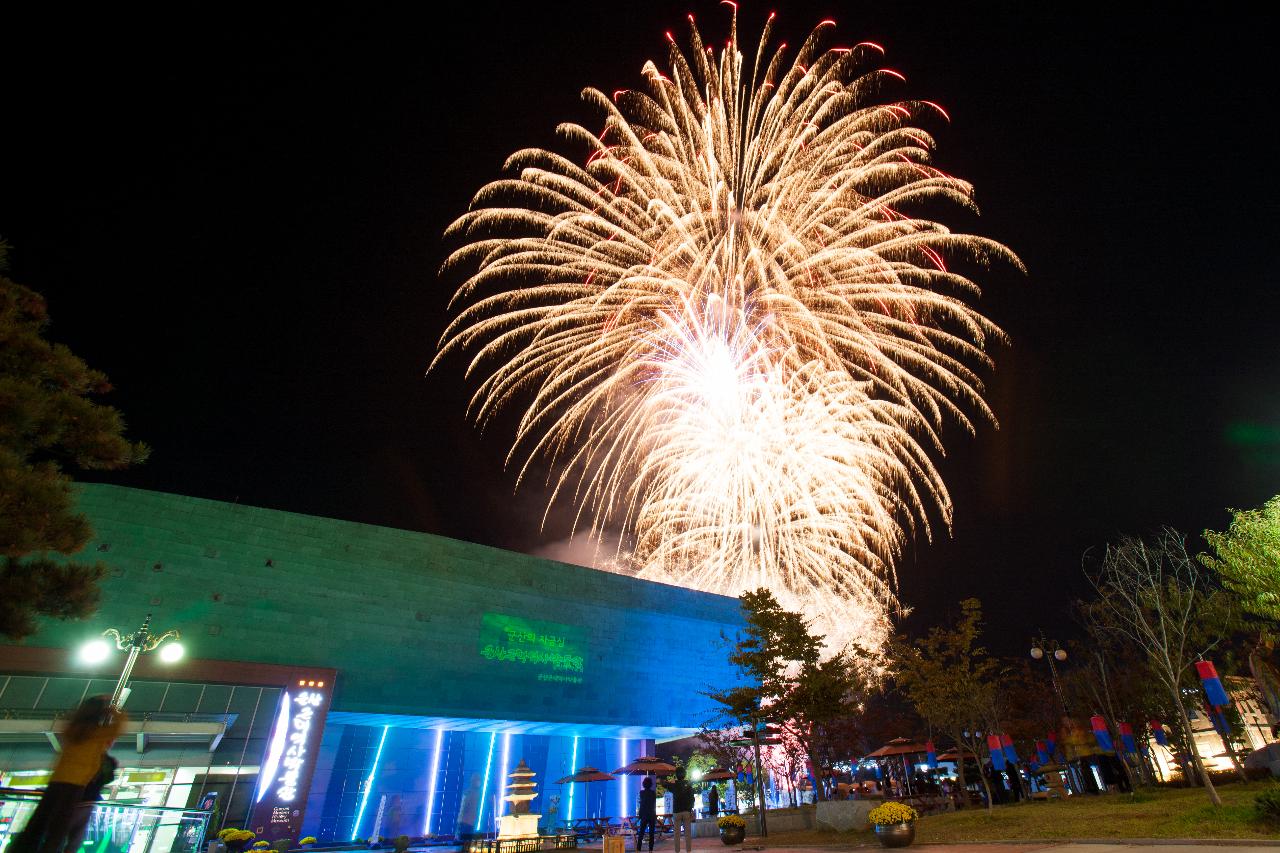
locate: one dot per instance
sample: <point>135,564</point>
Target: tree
<point>1246,557</point>
<point>48,422</point>
<point>789,682</point>
<point>1153,595</point>
<point>950,679</point>
<point>1112,679</point>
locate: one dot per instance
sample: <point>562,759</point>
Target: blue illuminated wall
<point>403,774</point>
<point>424,632</point>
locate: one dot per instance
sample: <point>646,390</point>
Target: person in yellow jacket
<point>88,735</point>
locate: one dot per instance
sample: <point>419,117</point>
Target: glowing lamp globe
<point>95,651</point>
<point>1060,654</point>
<point>171,652</point>
<point>1037,653</point>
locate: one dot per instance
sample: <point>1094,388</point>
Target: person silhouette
<point>85,740</point>
<point>647,812</point>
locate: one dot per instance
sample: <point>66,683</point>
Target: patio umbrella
<point>718,775</point>
<point>899,746</point>
<point>586,774</point>
<point>646,764</point>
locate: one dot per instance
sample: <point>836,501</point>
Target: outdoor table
<point>927,803</point>
<point>591,827</point>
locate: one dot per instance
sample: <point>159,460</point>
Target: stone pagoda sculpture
<point>518,822</point>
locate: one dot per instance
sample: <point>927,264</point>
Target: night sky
<point>237,214</point>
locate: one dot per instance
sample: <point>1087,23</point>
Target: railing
<point>60,714</point>
<point>116,828</point>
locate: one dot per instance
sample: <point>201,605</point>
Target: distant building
<point>1257,723</point>
<point>345,680</point>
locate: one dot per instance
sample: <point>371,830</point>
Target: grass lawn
<point>1160,813</point>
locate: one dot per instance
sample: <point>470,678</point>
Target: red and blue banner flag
<point>1099,725</point>
<point>1006,746</point>
<point>1212,684</point>
<point>997,751</point>
<point>1126,737</point>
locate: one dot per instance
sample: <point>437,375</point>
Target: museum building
<point>344,680</point>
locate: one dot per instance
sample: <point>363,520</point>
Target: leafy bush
<point>310,839</point>
<point>1266,805</point>
<point>401,843</point>
<point>260,845</point>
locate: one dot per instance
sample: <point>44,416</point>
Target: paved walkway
<point>1242,845</point>
<point>1141,845</point>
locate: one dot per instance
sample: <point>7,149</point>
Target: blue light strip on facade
<point>435,772</point>
<point>573,768</point>
<point>622,782</point>
<point>501,808</point>
<point>368,785</point>
<point>484,786</point>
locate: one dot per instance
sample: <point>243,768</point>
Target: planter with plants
<point>894,824</point>
<point>235,839</point>
<point>732,829</point>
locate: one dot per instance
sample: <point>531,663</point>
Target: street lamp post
<point>136,643</point>
<point>1050,650</point>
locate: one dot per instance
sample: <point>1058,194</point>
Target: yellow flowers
<point>730,820</point>
<point>888,814</point>
<point>235,836</point>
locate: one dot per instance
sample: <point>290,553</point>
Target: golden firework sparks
<point>732,328</point>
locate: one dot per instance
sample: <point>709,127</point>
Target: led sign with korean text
<point>546,651</point>
<point>290,760</point>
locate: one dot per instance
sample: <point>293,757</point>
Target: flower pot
<point>896,834</point>
<point>732,834</point>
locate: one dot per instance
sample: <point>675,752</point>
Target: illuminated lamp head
<point>95,651</point>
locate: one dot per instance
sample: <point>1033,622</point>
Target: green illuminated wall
<point>402,615</point>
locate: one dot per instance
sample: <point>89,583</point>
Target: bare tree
<point>1152,594</point>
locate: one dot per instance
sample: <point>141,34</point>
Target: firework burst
<point>732,329</point>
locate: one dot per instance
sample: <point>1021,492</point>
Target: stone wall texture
<point>399,613</point>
